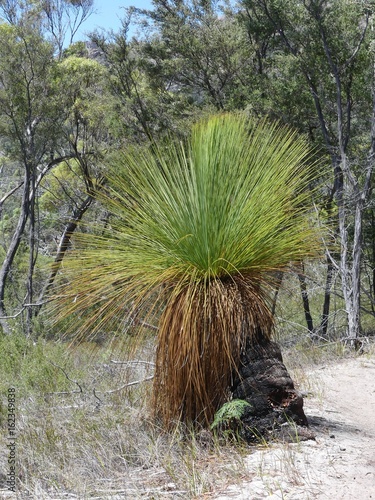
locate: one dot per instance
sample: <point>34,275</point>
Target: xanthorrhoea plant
<point>202,226</point>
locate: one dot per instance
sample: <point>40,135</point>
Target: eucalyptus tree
<point>45,120</point>
<point>323,76</point>
<point>88,111</point>
<point>128,85</point>
<point>198,228</point>
<point>63,18</point>
<point>147,105</point>
<point>29,132</point>
<point>196,48</point>
<point>58,19</point>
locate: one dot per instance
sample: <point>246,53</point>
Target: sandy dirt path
<point>340,463</point>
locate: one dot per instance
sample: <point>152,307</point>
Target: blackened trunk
<point>275,405</point>
<point>306,302</point>
<point>327,299</point>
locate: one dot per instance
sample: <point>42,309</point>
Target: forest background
<point>67,106</point>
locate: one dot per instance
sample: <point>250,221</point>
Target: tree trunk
<point>351,268</point>
<point>12,251</point>
<point>33,252</point>
<point>63,246</point>
<point>276,284</point>
<point>305,301</point>
<point>354,331</point>
<point>323,329</point>
<point>275,405</point>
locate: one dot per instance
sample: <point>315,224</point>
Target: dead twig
<point>136,362</point>
<point>70,380</point>
<point>129,384</point>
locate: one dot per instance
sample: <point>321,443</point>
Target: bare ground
<point>340,463</point>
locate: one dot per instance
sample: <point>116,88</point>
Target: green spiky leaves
<point>232,200</point>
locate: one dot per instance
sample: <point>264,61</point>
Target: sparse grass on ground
<point>78,435</point>
<point>83,432</point>
<point>77,438</point>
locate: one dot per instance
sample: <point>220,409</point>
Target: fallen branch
<point>129,384</point>
<point>136,362</point>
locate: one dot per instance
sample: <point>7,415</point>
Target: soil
<point>339,464</point>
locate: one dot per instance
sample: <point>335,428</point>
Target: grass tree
<point>197,230</point>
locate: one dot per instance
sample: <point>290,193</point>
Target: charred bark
<point>305,301</point>
<point>275,408</point>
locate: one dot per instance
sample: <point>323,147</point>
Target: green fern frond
<point>229,412</point>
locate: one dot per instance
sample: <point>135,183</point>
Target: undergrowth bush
<point>29,366</point>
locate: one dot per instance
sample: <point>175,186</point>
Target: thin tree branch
<point>7,195</point>
<point>361,40</point>
<point>24,307</point>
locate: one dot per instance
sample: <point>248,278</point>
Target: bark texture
<point>276,407</point>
